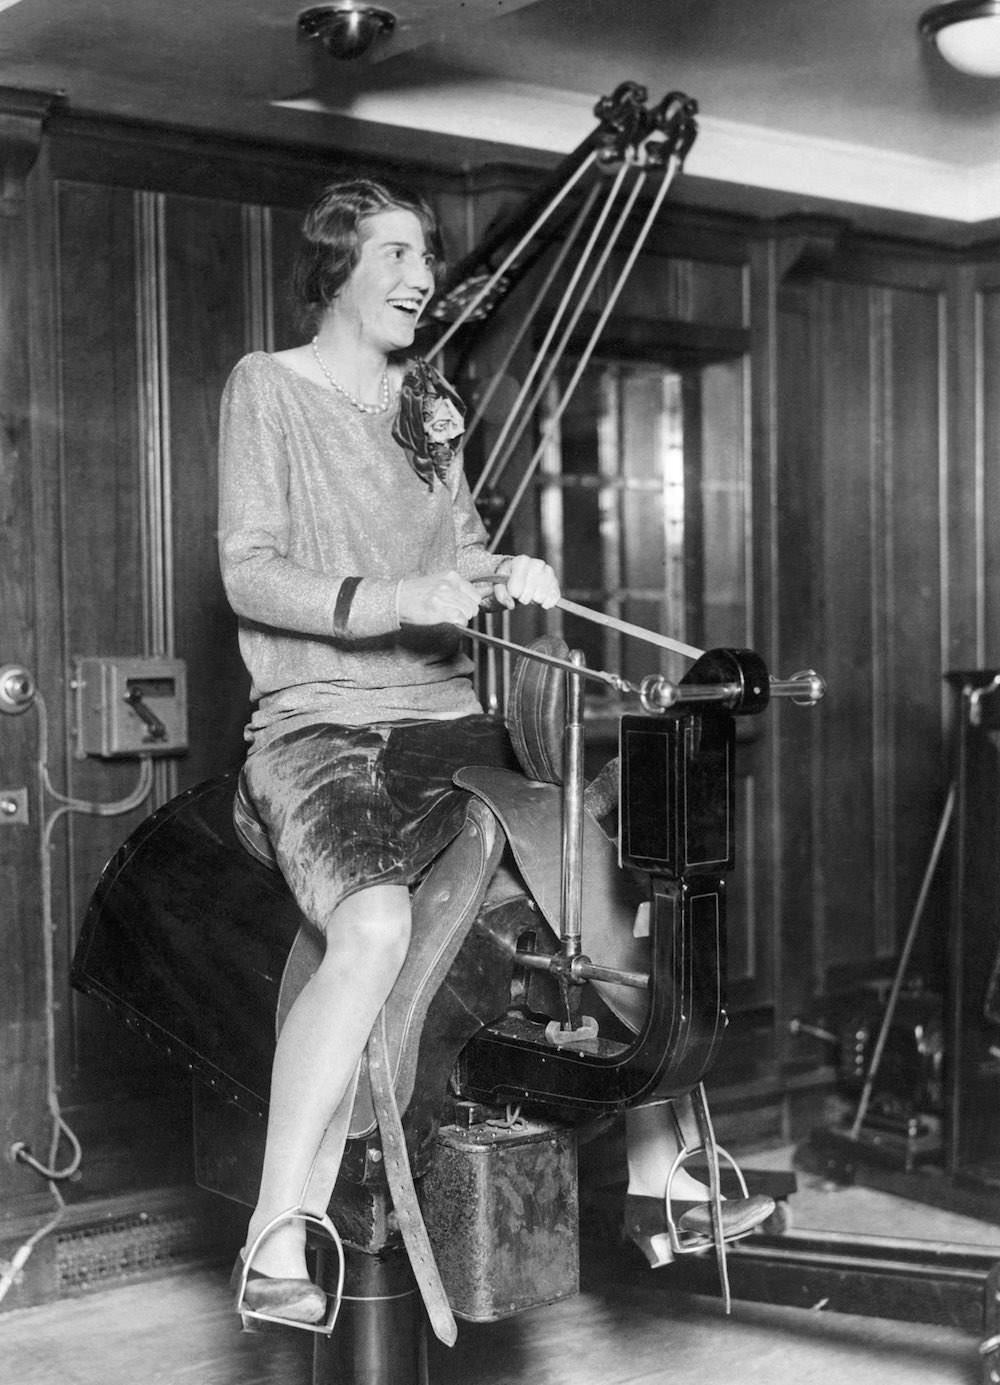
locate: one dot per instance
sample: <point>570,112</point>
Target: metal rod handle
<point>583,969</point>
<point>572,805</point>
<point>624,627</point>
<point>904,960</point>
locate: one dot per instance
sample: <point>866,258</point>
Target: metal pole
<point>904,959</point>
<point>572,801</point>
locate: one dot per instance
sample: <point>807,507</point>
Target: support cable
<point>532,311</point>
<point>553,422</point>
<point>484,291</point>
<point>497,460</point>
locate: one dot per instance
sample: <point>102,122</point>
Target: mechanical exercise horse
<point>193,938</point>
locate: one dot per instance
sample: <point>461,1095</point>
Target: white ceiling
<point>803,102</point>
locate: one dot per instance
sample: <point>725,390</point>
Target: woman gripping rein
<point>347,540</point>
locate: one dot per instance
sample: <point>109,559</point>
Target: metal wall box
<point>130,706</point>
<point>502,1210</point>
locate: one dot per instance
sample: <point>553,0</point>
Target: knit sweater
<point>320,516</point>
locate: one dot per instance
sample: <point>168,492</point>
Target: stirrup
<point>712,1150</point>
<point>690,1242</point>
<point>255,1315</point>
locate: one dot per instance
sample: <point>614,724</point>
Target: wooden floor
<point>627,1326</point>
<point>181,1330</point>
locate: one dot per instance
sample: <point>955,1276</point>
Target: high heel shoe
<point>646,1224</point>
<point>740,1216</point>
<point>297,1302</point>
<point>646,1228</point>
<point>265,1302</point>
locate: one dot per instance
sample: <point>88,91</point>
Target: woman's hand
<point>441,597</point>
<point>529,582</point>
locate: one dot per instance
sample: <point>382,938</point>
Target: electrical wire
<point>61,1131</point>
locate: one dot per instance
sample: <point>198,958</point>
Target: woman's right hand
<point>436,599</point>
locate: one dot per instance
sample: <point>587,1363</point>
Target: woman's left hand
<point>530,581</point>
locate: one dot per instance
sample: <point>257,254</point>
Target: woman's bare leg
<point>654,1135</point>
<point>652,1144</point>
<point>320,1043</point>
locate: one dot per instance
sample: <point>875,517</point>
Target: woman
<point>348,540</point>
<point>350,551</point>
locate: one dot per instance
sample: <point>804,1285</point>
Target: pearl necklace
<point>378,408</point>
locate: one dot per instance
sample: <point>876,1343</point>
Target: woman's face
<point>390,285</point>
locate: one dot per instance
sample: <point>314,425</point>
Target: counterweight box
<point>502,1210</point>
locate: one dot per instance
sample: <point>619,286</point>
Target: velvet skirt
<point>347,807</point>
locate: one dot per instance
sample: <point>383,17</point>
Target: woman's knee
<point>373,924</point>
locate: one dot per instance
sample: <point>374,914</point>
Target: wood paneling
<point>987,473</point>
<point>98,601</point>
<point>912,722</point>
<point>684,290</point>
<point>207,311</point>
<point>790,526</point>
<point>877,460</point>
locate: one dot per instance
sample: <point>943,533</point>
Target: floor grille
<point>127,1247</point>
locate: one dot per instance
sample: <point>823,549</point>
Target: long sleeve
<point>320,518</point>
<point>264,584</point>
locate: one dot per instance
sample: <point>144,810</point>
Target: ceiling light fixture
<point>967,34</point>
<point>346,31</point>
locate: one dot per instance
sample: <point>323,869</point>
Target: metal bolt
<point>13,807</point>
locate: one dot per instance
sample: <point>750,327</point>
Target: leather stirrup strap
<point>322,1178</point>
<point>404,1194</point>
<point>699,1103</point>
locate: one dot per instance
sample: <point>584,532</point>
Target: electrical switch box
<point>130,706</point>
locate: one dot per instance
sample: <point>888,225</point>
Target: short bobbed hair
<point>332,233</point>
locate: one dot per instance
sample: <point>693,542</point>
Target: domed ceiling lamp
<point>967,34</point>
<point>346,31</point>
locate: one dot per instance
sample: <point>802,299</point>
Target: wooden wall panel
<point>208,307</point>
<point>284,239</point>
<point>879,390</point>
<point>101,509</point>
<point>684,290</point>
<point>98,601</point>
<point>912,723</point>
<point>794,562</point>
<point>845,427</point>
<point>987,470</point>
